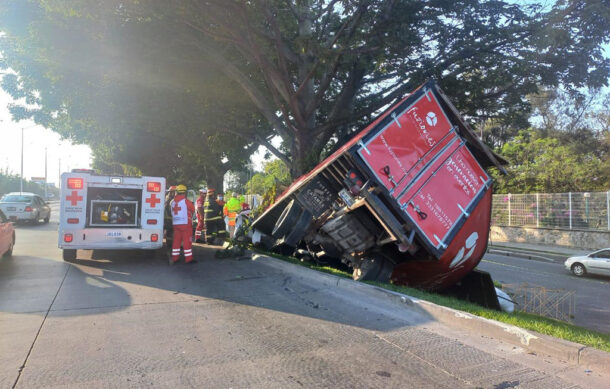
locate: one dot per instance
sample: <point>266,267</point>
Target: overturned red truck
<point>407,199</point>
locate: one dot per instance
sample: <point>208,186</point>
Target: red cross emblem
<point>176,208</point>
<point>74,198</point>
<point>153,200</point>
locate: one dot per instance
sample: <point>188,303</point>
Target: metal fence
<point>582,211</point>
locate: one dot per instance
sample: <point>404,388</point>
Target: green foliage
<point>194,82</point>
<point>95,79</point>
<point>275,173</point>
<point>12,183</point>
<point>545,164</point>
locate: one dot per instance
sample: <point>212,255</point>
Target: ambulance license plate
<point>113,234</point>
<point>11,208</point>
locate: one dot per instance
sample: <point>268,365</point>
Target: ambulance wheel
<point>287,220</point>
<point>46,219</point>
<point>69,254</point>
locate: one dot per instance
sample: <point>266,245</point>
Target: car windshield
<point>15,199</point>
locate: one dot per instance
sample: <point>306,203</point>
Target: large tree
<point>99,83</point>
<point>316,69</point>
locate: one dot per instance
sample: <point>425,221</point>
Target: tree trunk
<point>214,177</point>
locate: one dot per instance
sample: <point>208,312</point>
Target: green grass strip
<point>529,321</point>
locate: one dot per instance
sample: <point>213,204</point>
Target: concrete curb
<point>573,353</point>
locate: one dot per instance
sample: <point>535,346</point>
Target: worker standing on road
<point>212,215</point>
<point>199,207</point>
<point>221,229</point>
<point>233,207</point>
<point>182,214</point>
<point>167,215</point>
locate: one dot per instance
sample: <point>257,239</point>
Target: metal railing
<point>581,211</point>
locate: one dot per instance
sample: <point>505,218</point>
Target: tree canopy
<point>311,71</point>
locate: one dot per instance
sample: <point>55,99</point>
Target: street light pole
<point>45,174</point>
<point>21,182</point>
<point>22,129</point>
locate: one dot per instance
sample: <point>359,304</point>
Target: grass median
<point>529,321</point>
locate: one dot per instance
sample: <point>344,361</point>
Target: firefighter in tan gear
<point>182,211</point>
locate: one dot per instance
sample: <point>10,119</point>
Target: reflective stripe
<point>188,254</point>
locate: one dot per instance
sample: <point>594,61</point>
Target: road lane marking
<point>534,272</point>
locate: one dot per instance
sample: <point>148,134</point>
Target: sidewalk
<point>534,251</point>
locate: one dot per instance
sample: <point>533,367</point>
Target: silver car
<point>23,206</point>
<point>598,262</point>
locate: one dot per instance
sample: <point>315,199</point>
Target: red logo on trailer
<point>407,144</point>
<point>74,198</point>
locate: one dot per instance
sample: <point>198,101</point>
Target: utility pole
<point>45,174</point>
<point>21,182</point>
<point>22,129</point>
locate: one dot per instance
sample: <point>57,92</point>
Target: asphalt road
<point>591,293</point>
<point>128,320</point>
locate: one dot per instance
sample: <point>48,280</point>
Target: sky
<point>35,139</point>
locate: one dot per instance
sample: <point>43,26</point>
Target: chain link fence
<point>582,211</point>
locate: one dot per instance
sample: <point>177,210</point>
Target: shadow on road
<point>115,280</point>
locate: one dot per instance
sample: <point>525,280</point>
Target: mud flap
<point>477,287</point>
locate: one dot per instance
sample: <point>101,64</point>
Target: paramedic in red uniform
<point>200,216</point>
<point>182,214</point>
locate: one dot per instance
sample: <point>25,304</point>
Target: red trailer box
<point>407,198</point>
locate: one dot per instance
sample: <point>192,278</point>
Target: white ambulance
<point>110,212</point>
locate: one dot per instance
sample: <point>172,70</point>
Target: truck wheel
<point>298,230</point>
<point>46,219</point>
<point>369,269</point>
<point>69,254</point>
<point>287,219</point>
<point>387,268</point>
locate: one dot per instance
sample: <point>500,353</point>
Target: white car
<point>598,262</point>
<point>23,206</point>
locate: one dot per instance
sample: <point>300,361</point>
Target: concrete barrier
<point>589,240</point>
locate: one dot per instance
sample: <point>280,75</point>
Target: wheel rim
<point>578,270</point>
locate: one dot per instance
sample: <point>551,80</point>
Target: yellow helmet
<point>181,188</point>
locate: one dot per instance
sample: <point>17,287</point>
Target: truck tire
<point>387,268</point>
<point>369,269</point>
<point>287,220</point>
<point>298,231</point>
<point>69,254</point>
<point>46,219</point>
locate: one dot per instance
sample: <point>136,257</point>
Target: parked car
<point>7,236</point>
<point>597,262</point>
<point>23,206</point>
